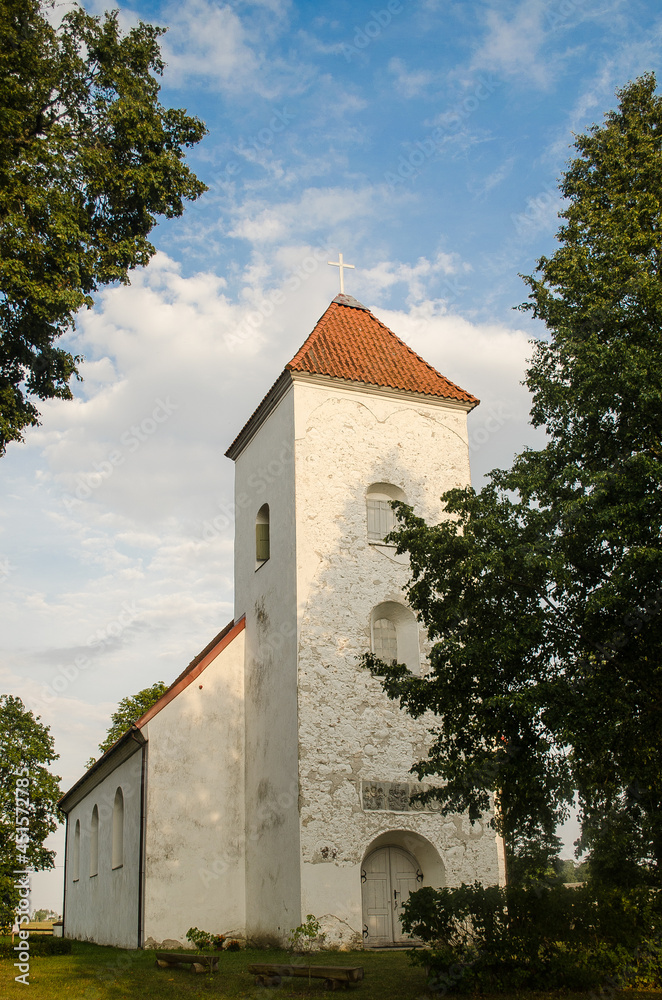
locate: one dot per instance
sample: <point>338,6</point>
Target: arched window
<point>118,829</point>
<point>94,843</point>
<point>381,518</point>
<point>385,640</point>
<point>75,861</point>
<point>394,635</point>
<point>262,535</point>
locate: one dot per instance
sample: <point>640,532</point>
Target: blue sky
<point>424,140</point>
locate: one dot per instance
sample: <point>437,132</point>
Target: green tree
<point>88,159</point>
<point>28,791</point>
<point>128,710</point>
<point>544,589</point>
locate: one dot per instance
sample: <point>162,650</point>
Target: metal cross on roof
<point>339,263</point>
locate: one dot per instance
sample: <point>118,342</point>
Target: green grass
<point>92,972</point>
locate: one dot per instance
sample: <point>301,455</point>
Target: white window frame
<point>379,513</point>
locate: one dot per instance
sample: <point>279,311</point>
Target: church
<point>272,780</point>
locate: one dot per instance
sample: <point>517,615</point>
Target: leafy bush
<point>539,937</point>
<point>204,941</point>
<point>233,946</point>
<point>38,946</point>
<point>303,937</point>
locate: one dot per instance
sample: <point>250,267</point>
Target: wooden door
<point>389,875</point>
<point>403,882</point>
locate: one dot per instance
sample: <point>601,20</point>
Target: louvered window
<point>380,515</point>
<point>385,640</point>
<point>261,542</point>
<point>394,635</point>
<point>381,519</point>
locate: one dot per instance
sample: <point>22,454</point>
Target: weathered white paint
<point>313,460</point>
<point>347,440</point>
<point>194,836</point>
<point>267,596</point>
<point>104,908</point>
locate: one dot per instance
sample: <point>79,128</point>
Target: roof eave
<point>195,668</point>
<point>257,418</point>
<point>133,740</point>
<point>447,401</point>
<point>129,743</point>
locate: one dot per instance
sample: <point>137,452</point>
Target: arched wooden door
<point>389,874</point>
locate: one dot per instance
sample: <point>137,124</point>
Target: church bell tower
<point>355,420</point>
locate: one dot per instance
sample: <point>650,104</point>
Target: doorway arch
<point>395,865</point>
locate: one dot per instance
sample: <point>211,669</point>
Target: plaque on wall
<point>394,796</point>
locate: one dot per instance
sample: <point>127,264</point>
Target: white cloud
<point>495,178</point>
<point>409,83</point>
<point>513,46</point>
<point>211,42</point>
<point>486,359</point>
<point>420,279</point>
<point>316,209</point>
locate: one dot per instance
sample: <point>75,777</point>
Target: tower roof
<point>351,345</point>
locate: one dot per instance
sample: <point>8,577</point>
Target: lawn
<point>95,973</point>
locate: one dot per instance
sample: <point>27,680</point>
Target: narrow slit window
<point>75,861</point>
<point>262,536</point>
<point>118,829</point>
<point>94,843</point>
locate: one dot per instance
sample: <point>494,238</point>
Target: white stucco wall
<point>194,837</point>
<point>349,732</point>
<point>104,907</point>
<point>267,596</point>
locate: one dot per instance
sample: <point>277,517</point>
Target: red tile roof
<point>350,343</point>
<point>195,668</point>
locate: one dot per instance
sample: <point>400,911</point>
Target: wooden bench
<point>198,963</point>
<point>334,976</point>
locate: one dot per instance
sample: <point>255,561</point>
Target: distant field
<point>95,973</point>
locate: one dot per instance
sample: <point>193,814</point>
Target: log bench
<point>198,963</point>
<point>334,976</point>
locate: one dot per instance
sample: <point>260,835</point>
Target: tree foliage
<point>26,751</point>
<point>478,939</point>
<point>128,710</point>
<point>88,159</point>
<point>543,590</point>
